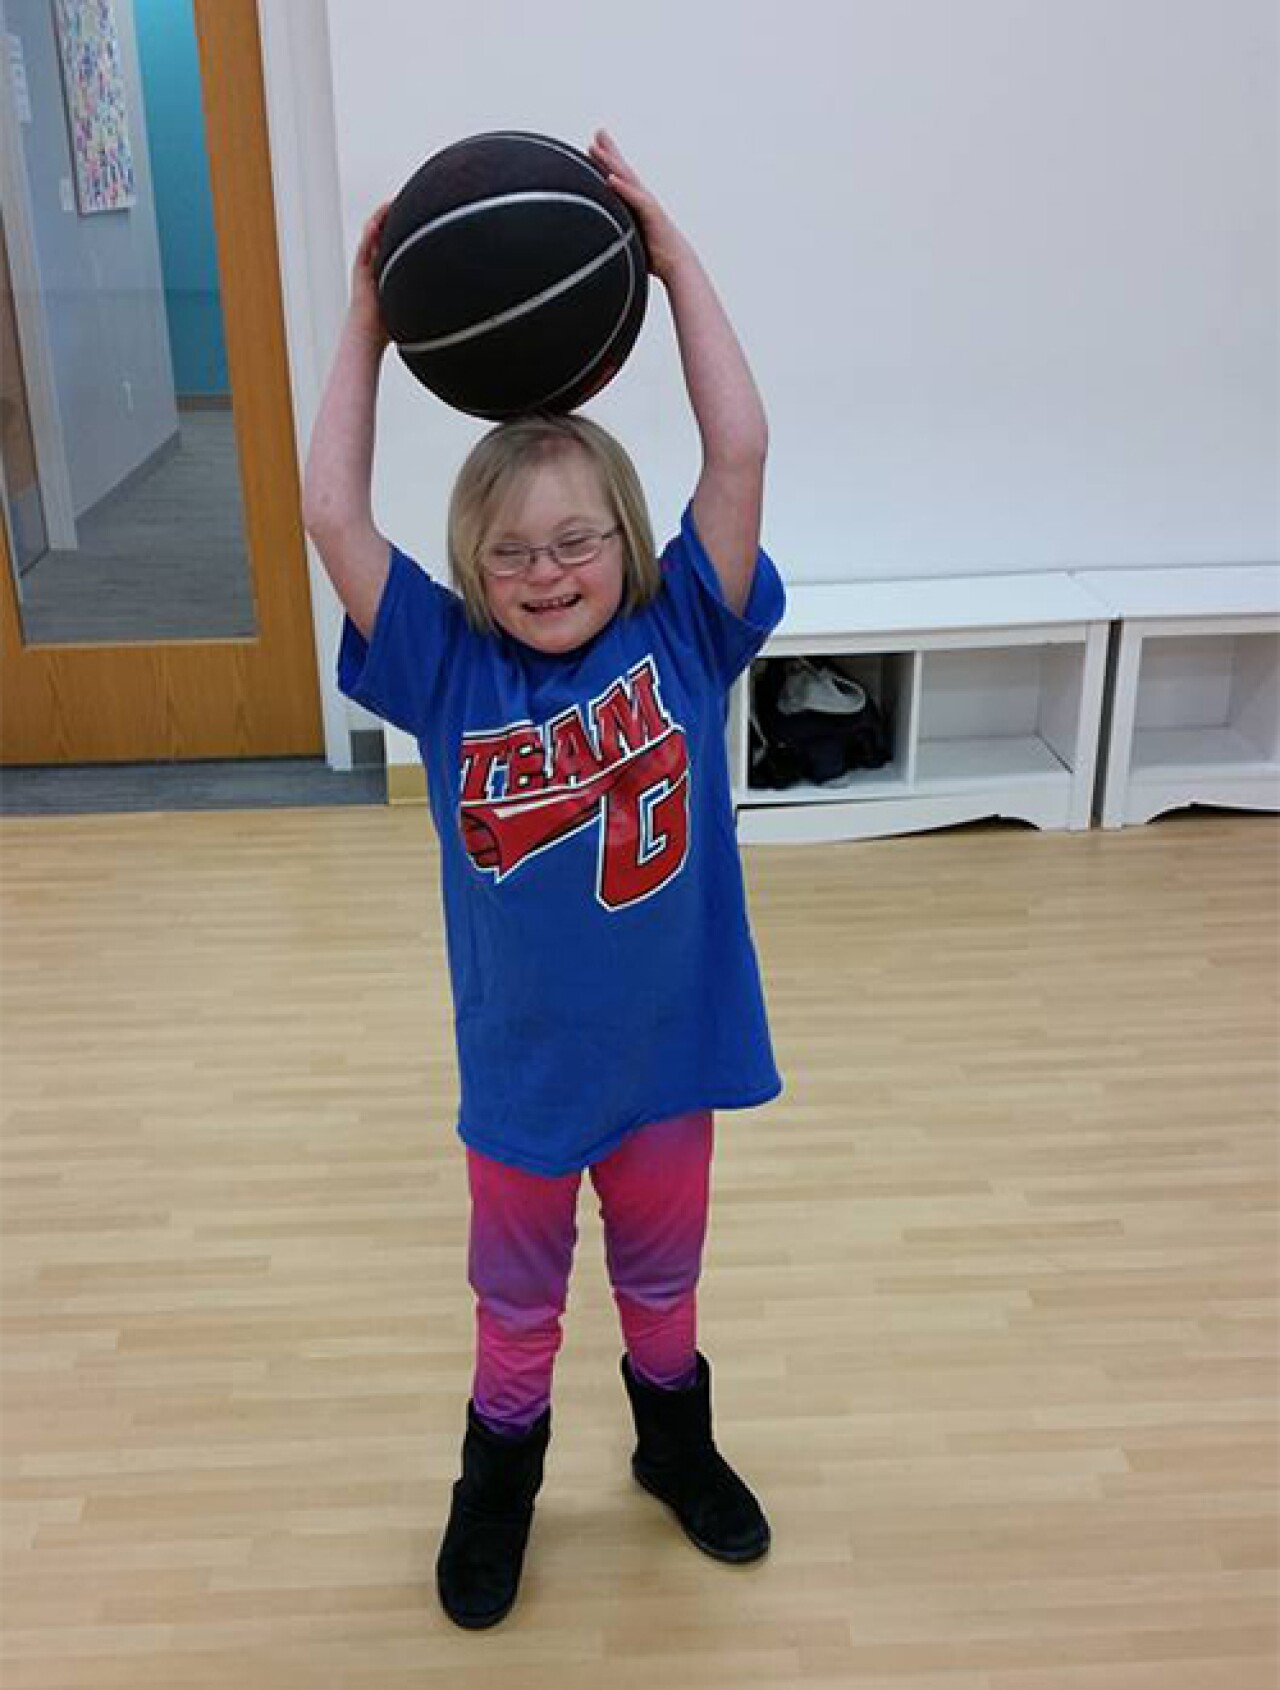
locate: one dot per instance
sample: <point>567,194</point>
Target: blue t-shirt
<point>602,966</point>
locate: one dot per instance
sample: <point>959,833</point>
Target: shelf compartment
<point>1207,704</point>
<point>891,679</point>
<point>1000,714</point>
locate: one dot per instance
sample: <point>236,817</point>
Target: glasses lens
<point>577,548</point>
<point>507,560</point>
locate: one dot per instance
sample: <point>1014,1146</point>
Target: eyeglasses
<point>583,546</point>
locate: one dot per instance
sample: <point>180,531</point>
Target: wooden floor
<point>991,1291</point>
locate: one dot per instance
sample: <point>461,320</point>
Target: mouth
<point>547,607</point>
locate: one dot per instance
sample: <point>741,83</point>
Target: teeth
<point>555,604</point>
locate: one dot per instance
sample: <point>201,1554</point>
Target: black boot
<point>676,1459</point>
<point>478,1569</point>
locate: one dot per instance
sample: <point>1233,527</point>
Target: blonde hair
<point>503,460</point>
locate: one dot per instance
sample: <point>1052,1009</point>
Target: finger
<point>602,156</point>
<point>621,185</point>
<point>635,199</point>
<point>608,148</point>
<point>628,181</point>
<point>624,182</point>
<point>370,242</point>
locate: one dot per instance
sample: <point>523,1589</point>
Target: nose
<point>542,566</point>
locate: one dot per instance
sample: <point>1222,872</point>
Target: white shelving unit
<point>1195,692</point>
<point>993,690</point>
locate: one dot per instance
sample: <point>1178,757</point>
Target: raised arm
<point>727,408</point>
<point>337,492</point>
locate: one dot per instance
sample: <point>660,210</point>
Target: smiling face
<point>551,608</point>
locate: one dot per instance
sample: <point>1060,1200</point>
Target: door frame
<point>297,77</point>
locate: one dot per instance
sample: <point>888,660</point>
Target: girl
<point>568,698</point>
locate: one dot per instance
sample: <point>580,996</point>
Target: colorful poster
<point>94,84</point>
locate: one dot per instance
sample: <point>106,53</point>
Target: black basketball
<point>511,276</point>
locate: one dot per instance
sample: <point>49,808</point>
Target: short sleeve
<point>726,641</point>
<point>398,671</point>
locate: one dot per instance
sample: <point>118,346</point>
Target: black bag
<point>811,722</point>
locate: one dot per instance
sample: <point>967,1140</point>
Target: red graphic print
<point>622,765</point>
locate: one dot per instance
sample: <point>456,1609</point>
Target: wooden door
<point>253,693</point>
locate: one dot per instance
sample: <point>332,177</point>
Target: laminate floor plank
<point>991,1291</point>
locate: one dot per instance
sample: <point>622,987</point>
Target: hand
<point>364,308</point>
<point>664,242</point>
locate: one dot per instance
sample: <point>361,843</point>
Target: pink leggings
<point>653,1193</point>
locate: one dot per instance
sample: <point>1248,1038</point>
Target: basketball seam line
<point>546,398</point>
<point>524,196</point>
<point>512,313</point>
<point>560,147</point>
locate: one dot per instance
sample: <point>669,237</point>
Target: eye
<point>581,543</point>
<point>509,554</point>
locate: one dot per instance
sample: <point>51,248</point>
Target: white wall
<point>1006,268</point>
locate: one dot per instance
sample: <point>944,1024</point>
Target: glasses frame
<point>552,549</point>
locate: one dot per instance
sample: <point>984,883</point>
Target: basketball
<point>511,277</point>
